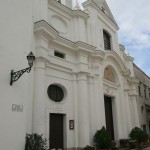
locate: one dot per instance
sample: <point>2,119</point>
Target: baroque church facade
<point>81,80</point>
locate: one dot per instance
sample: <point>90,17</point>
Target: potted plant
<point>88,147</point>
<point>138,135</point>
<point>35,142</point>
<point>102,139</point>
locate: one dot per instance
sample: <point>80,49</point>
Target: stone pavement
<point>147,148</point>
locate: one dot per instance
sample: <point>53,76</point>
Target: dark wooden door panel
<point>56,131</point>
<point>109,116</point>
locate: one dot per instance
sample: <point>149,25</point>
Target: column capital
<point>40,62</point>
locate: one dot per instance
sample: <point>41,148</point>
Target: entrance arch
<point>110,83</point>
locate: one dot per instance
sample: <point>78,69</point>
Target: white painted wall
<point>80,73</point>
<point>15,44</point>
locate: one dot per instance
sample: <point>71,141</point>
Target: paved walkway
<point>147,148</point>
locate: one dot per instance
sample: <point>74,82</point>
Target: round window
<point>55,93</point>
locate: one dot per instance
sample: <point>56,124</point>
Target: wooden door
<point>109,116</point>
<point>56,131</point>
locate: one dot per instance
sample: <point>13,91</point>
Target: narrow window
<point>107,44</point>
<point>58,54</point>
<point>139,89</point>
<point>145,92</point>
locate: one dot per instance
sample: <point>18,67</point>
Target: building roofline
<point>141,70</point>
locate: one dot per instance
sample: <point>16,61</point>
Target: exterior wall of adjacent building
<point>143,99</point>
<point>16,29</point>
<point>45,27</point>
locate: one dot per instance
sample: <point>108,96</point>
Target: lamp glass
<point>31,59</point>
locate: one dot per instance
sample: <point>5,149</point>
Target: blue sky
<point>133,19</point>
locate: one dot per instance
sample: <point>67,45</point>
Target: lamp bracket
<point>16,75</point>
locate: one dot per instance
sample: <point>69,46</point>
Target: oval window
<point>55,93</point>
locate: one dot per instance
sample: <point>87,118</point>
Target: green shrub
<point>102,139</point>
<point>88,147</point>
<point>35,142</point>
<point>137,134</point>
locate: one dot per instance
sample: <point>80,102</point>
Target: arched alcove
<point>109,74</point>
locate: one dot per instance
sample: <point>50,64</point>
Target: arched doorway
<point>109,116</point>
<point>109,76</point>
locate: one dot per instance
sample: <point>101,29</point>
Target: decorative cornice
<point>112,54</point>
<point>69,11</point>
<point>80,13</point>
<point>94,5</point>
<point>99,54</point>
<point>43,27</point>
<point>133,80</point>
<point>80,46</point>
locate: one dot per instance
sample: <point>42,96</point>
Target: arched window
<point>107,43</point>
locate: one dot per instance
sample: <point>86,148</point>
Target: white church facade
<point>81,80</point>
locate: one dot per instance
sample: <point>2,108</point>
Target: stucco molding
<point>117,60</point>
<point>105,17</point>
<point>45,29</point>
<point>42,27</point>
<point>67,10</point>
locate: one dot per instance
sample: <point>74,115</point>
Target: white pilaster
<point>75,88</point>
<point>92,103</point>
<point>39,102</point>
<point>135,112</point>
<point>83,111</point>
<point>128,112</point>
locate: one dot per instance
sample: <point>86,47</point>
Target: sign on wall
<point>71,124</point>
<point>18,108</point>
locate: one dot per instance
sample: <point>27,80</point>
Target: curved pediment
<point>115,58</point>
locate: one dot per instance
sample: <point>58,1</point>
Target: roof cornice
<point>69,11</point>
<point>94,5</point>
<point>43,28</point>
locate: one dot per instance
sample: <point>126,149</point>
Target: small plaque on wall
<point>18,108</point>
<point>71,124</point>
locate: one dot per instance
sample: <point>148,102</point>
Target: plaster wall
<point>15,44</point>
<point>79,36</point>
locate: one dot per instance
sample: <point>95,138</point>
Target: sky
<point>133,19</point>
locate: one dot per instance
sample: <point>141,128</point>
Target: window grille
<point>107,44</point>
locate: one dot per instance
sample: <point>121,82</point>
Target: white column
<point>39,101</point>
<point>92,103</point>
<point>99,96</point>
<point>123,111</point>
<point>135,111</point>
<point>83,111</point>
<point>128,112</point>
<point>75,92</point>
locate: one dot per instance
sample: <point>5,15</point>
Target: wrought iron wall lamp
<point>16,75</point>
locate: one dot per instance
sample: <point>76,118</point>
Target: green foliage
<point>88,147</point>
<point>35,142</point>
<point>137,134</point>
<point>102,139</point>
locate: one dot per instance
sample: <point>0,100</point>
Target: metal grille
<point>107,44</point>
